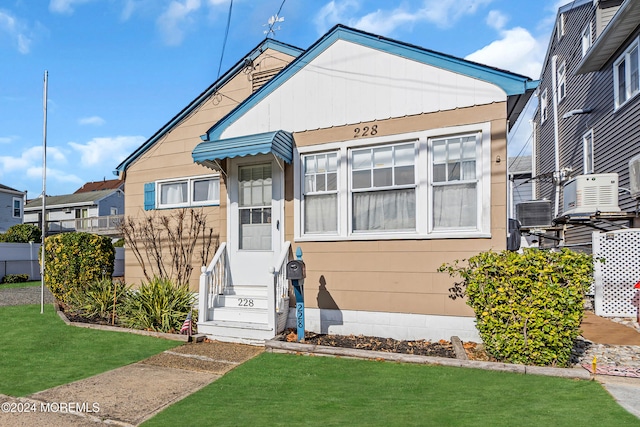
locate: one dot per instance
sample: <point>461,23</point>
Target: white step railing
<point>280,289</point>
<point>213,281</point>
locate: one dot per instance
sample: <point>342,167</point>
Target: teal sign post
<point>296,273</point>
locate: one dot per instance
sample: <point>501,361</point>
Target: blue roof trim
<point>253,54</point>
<point>511,83</point>
<point>279,143</point>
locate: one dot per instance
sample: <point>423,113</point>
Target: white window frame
<point>13,207</point>
<point>324,192</point>
<point>560,26</point>
<point>588,164</point>
<point>424,210</point>
<point>190,181</point>
<point>587,38</point>
<point>544,106</point>
<point>629,91</point>
<point>561,75</point>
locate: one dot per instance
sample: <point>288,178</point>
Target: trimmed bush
<point>528,306</point>
<point>73,260</point>
<point>158,305</point>
<point>95,300</point>
<point>15,278</point>
<point>22,233</point>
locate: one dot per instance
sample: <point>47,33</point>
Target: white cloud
<point>175,20</point>
<point>106,150</point>
<point>93,120</point>
<point>525,52</point>
<point>8,139</point>
<point>53,174</point>
<point>65,6</point>
<point>496,19</point>
<point>442,13</point>
<point>16,30</point>
<point>30,157</point>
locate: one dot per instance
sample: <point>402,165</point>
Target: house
<point>378,159</point>
<point>11,207</point>
<point>520,182</point>
<point>586,125</point>
<point>97,212</point>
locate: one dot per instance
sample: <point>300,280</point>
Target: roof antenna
<point>271,22</point>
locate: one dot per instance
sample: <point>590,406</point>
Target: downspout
<point>556,138</point>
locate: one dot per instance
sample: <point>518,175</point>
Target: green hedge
<point>15,278</point>
<point>528,306</point>
<point>22,233</point>
<point>73,260</point>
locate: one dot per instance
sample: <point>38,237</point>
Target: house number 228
<point>365,131</point>
<point>245,302</point>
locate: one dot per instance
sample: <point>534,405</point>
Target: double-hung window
<point>17,207</point>
<point>587,150</point>
<point>626,76</point>
<point>586,38</point>
<point>321,193</point>
<point>544,106</point>
<point>186,192</point>
<point>562,81</point>
<point>383,188</point>
<point>455,183</point>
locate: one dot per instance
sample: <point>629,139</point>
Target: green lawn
<point>277,389</point>
<point>20,285</point>
<point>39,351</point>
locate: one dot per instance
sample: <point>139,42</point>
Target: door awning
<point>280,143</point>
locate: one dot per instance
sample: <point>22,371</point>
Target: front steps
<point>239,315</point>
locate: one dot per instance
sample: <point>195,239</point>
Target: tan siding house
<point>378,160</point>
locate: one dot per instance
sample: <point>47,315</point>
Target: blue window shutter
<point>149,196</point>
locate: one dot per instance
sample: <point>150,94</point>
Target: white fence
<point>22,258</point>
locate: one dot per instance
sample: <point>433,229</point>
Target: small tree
<point>164,245</point>
<point>528,306</point>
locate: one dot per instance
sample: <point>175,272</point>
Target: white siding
<point>374,85</point>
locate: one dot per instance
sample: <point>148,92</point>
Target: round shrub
<point>72,260</point>
<point>528,306</point>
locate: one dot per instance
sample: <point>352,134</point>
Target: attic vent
<point>260,78</point>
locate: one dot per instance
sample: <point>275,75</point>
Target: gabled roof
<point>233,71</point>
<point>67,200</point>
<point>622,25</point>
<point>6,189</point>
<point>106,184</point>
<point>510,83</point>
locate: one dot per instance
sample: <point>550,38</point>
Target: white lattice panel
<point>615,295</point>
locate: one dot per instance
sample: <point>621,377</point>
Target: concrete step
<point>241,301</point>
<point>239,314</point>
<point>241,332</point>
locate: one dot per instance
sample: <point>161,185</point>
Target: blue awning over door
<point>280,143</point>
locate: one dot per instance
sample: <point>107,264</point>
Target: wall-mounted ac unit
<point>591,193</point>
<point>634,176</point>
<point>535,213</point>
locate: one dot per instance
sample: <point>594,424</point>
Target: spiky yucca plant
<point>158,305</point>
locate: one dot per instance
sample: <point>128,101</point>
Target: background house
<point>105,184</point>
<point>588,116</point>
<point>94,211</point>
<point>11,207</point>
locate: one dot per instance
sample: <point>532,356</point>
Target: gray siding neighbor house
<point>588,117</point>
<point>11,207</point>
<point>94,211</point>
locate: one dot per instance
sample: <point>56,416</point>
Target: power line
<point>226,34</point>
<point>275,19</point>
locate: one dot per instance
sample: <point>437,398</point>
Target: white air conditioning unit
<point>634,176</point>
<point>591,193</point>
<point>535,213</point>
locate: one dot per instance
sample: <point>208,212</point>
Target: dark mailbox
<point>296,270</point>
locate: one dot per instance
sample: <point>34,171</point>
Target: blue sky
<point>120,69</point>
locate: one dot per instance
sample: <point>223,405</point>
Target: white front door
<point>255,218</point>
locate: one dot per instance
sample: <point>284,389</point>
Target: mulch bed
<point>440,348</point>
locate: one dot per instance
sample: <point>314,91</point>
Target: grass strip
<point>31,284</point>
<point>279,389</point>
<point>39,351</point>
